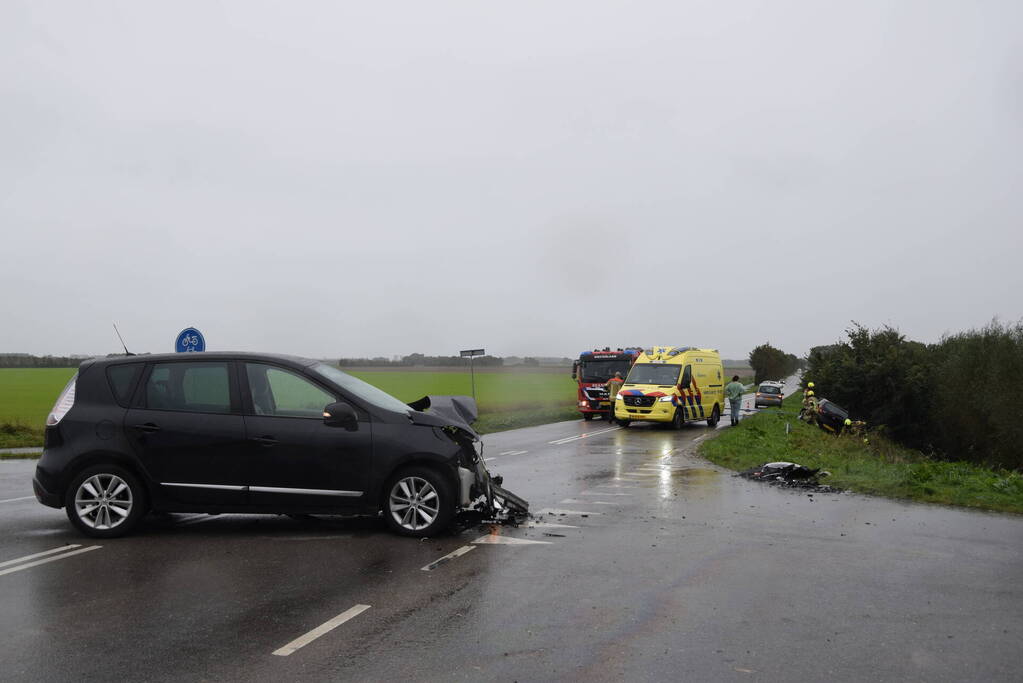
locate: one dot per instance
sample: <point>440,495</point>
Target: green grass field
<point>506,400</point>
<point>877,466</point>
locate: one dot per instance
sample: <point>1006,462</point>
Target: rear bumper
<point>44,495</point>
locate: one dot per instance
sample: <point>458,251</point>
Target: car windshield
<point>602,370</point>
<point>651,373</point>
<point>770,389</point>
<point>361,390</point>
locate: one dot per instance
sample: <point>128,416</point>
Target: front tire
<point>418,502</point>
<point>715,416</point>
<point>105,501</point>
<point>677,420</point>
<point>587,416</point>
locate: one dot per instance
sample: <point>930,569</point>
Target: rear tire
<point>105,501</point>
<point>715,416</point>
<point>418,502</point>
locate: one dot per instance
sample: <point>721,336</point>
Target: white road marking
<point>42,554</point>
<point>583,435</point>
<point>489,459</point>
<point>10,570</point>
<point>14,500</point>
<point>447,558</point>
<point>699,438</point>
<point>506,540</point>
<point>559,511</point>
<point>322,629</point>
<point>513,453</point>
<point>552,525</point>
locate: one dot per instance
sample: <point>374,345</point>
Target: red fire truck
<point>591,373</point>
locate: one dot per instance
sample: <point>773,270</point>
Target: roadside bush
<point>955,399</point>
<point>976,414</point>
<point>879,377</point>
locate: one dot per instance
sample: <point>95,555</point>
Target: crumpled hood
<point>445,411</point>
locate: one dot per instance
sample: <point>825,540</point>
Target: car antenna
<point>126,351</point>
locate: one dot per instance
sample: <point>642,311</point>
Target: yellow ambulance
<point>673,384</point>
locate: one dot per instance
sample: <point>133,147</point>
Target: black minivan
<point>245,432</point>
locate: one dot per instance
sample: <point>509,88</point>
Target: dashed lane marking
<point>26,558</point>
<point>560,511</point>
<point>62,556</point>
<point>550,525</point>
<point>447,558</point>
<point>322,629</point>
<point>495,539</point>
<point>513,453</point>
<point>583,435</point>
<point>14,500</point>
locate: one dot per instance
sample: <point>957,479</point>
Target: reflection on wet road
<point>643,563</point>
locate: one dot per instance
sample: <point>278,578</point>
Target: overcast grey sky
<point>357,178</point>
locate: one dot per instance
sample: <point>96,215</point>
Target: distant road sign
<point>190,340</point>
<point>469,353</point>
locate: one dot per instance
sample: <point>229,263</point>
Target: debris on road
<point>788,474</point>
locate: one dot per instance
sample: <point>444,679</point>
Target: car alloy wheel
<point>103,501</point>
<point>413,503</point>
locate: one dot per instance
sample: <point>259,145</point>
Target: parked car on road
<point>234,432</point>
<point>769,394</point>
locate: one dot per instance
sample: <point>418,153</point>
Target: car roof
<point>204,355</point>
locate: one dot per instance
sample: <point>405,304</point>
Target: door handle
<point>147,428</point>
<point>265,440</point>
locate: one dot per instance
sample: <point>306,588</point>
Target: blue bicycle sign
<point>190,340</point>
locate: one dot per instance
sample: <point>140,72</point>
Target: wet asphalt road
<point>664,568</point>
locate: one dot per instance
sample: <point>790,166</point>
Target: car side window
<point>122,380</point>
<point>281,393</point>
<point>189,387</point>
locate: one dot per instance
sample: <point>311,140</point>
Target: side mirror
<point>341,415</point>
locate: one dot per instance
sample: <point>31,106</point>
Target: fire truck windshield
<point>602,370</point>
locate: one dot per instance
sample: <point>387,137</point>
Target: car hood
<point>445,411</point>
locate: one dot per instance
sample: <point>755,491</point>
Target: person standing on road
<point>733,390</point>
<point>614,385</point>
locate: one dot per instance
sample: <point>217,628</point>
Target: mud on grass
<point>878,467</point>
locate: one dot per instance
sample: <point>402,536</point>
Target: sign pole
<point>470,354</point>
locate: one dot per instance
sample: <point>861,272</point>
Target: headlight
<point>665,399</point>
<point>619,396</point>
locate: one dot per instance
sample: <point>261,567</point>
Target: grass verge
<point>18,435</point>
<point>487,423</point>
<point>877,467</point>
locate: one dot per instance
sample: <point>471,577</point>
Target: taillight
<point>63,404</point>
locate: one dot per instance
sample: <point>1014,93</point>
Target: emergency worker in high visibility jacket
<point>614,385</point>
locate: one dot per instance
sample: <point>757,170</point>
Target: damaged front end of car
<point>481,496</point>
